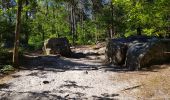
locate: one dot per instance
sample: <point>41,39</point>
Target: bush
<point>5,56</point>
<point>7,68</point>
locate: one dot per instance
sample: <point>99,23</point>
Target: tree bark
<point>46,14</point>
<point>112,23</point>
<point>82,26</point>
<point>72,24</point>
<point>26,13</point>
<point>139,31</point>
<point>17,30</point>
<point>53,23</point>
<point>27,33</point>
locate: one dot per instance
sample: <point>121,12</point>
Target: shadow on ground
<point>61,93</point>
<point>75,62</point>
<point>59,64</point>
<point>6,86</point>
<point>73,84</point>
<point>55,62</point>
<point>48,95</point>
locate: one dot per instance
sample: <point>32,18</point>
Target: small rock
<point>46,82</point>
<point>86,72</point>
<point>67,96</point>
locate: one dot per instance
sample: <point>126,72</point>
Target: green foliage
<point>150,16</point>
<point>45,19</point>
<point>7,69</point>
<point>35,41</point>
<point>5,56</point>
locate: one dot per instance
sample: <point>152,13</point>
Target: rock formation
<point>138,51</point>
<point>57,46</point>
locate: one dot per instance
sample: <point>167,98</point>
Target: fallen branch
<point>130,88</point>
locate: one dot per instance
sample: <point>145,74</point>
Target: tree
<point>83,20</point>
<point>17,31</point>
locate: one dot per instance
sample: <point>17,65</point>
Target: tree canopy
<point>83,21</point>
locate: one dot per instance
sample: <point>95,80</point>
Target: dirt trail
<point>73,78</point>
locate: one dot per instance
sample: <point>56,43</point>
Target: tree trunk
<point>72,25</point>
<point>27,33</point>
<point>112,23</point>
<point>82,26</point>
<point>26,13</point>
<point>46,8</point>
<point>139,31</point>
<point>75,23</point>
<point>73,20</point>
<point>17,30</point>
<point>46,14</point>
<point>53,31</point>
<point>111,32</point>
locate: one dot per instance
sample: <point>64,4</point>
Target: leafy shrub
<point>5,56</point>
<point>7,69</point>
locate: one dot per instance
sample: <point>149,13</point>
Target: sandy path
<point>83,78</point>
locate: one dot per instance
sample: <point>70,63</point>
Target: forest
<point>81,21</point>
<point>98,40</point>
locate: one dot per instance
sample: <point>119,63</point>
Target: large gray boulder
<point>57,46</point>
<point>116,48</point>
<point>141,55</point>
<point>138,51</point>
<point>116,52</point>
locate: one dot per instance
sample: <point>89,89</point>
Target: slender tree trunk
<point>112,23</point>
<point>139,31</point>
<point>26,34</point>
<point>96,32</point>
<point>111,32</point>
<point>58,34</point>
<point>26,13</point>
<point>82,26</point>
<point>17,30</point>
<point>46,8</point>
<point>43,33</point>
<point>73,20</point>
<point>1,37</point>
<point>53,23</point>
<point>72,24</point>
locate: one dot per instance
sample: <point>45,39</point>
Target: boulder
<point>57,46</point>
<point>141,55</point>
<point>116,52</point>
<point>116,48</point>
<point>138,51</point>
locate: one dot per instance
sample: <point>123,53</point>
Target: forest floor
<point>83,77</point>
